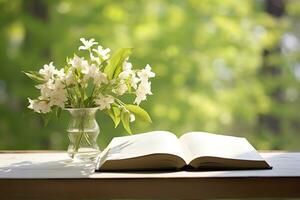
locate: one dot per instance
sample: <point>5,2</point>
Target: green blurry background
<point>223,66</point>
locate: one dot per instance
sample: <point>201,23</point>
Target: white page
<point>208,144</point>
<point>156,142</point>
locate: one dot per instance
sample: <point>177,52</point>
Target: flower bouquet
<point>88,83</point>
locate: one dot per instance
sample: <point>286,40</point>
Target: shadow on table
<point>50,169</point>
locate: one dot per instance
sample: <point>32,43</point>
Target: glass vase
<point>83,131</point>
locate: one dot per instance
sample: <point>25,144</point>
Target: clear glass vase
<point>83,131</point>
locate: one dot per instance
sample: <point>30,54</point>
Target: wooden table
<point>50,175</point>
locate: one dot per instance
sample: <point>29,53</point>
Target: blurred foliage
<point>227,67</point>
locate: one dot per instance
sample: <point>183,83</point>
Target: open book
<point>161,150</point>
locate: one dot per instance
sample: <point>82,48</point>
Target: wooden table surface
<point>51,175</point>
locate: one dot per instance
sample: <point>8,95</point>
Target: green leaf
<point>117,114</point>
<point>34,76</point>
<point>139,112</point>
<point>58,112</point>
<point>111,114</point>
<point>46,118</point>
<point>88,102</point>
<point>114,67</point>
<point>125,118</point>
<point>128,84</point>
<point>90,87</point>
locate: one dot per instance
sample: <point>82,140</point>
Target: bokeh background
<point>223,66</point>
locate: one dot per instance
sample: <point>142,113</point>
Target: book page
<point>202,144</point>
<point>156,142</point>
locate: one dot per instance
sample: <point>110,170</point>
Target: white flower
<point>89,71</point>
<point>144,87</point>
<point>48,71</point>
<point>56,85</point>
<point>70,79</point>
<point>134,81</point>
<point>146,73</point>
<point>92,71</point>
<point>58,97</point>
<point>95,59</point>
<point>33,105</point>
<point>122,88</point>
<point>103,53</point>
<point>100,78</point>
<point>54,92</point>
<point>57,88</point>
<point>45,89</point>
<point>60,74</point>
<point>127,70</point>
<point>124,75</point>
<point>77,62</point>
<point>142,91</point>
<point>87,44</point>
<point>39,106</point>
<point>140,98</point>
<point>132,117</point>
<point>104,102</point>
<point>129,73</point>
<point>127,66</point>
